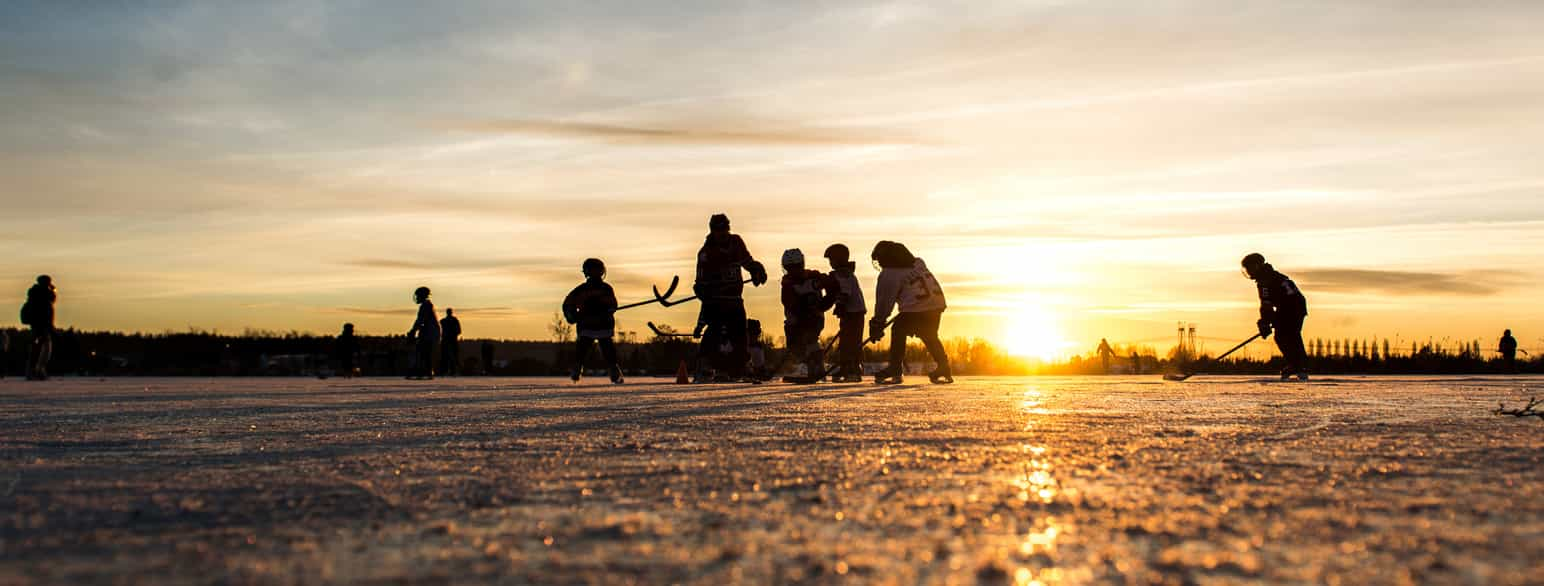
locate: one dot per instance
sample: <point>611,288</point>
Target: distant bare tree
<point>561,330</point>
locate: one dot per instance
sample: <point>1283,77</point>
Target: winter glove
<point>698,290</point>
<point>697,331</point>
<point>758,273</point>
<point>876,329</point>
<point>1265,328</point>
<point>571,317</point>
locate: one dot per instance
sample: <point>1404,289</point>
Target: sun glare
<point>1034,333</point>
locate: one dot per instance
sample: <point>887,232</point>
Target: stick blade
<point>1176,377</point>
<point>662,298</point>
<point>675,281</point>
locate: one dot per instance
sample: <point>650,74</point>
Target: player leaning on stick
<point>1282,309</point>
<point>906,282</point>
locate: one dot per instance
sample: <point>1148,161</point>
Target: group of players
<point>729,347</point>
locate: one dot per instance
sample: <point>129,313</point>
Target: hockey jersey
<point>806,295</point>
<point>592,307</point>
<point>913,290</point>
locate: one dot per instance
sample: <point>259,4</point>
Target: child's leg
<point>898,334</point>
<point>608,351</point>
<point>927,329</point>
<point>581,351</point>
<point>850,339</point>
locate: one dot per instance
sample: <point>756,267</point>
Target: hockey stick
<point>674,282</point>
<point>1180,377</point>
<point>664,334</point>
<point>668,303</point>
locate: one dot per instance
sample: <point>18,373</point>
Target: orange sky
<point>1070,170</point>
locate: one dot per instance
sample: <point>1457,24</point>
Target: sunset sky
<point>1070,170</point>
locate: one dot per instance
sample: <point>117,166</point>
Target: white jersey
<point>914,290</point>
<point>851,300</point>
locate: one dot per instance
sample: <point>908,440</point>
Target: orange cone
<point>680,374</point>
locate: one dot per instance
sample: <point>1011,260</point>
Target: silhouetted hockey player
<point>1508,350</point>
<point>344,349</point>
<point>1282,310</point>
<point>807,295</point>
<point>905,281</point>
<point>424,335</point>
<point>450,346</point>
<point>850,308</point>
<point>38,313</point>
<point>592,307</point>
<point>720,286</point>
<point>1105,352</point>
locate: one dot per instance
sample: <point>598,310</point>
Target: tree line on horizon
<point>271,353</point>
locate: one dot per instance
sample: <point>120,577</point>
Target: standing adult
<point>424,335</point>
<point>1105,352</point>
<point>344,349</point>
<point>38,313</point>
<point>450,347</point>
<point>1508,350</point>
<point>720,285</point>
<point>1282,310</point>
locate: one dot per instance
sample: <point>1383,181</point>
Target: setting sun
<point>1034,333</point>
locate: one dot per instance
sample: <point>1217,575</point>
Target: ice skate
<point>889,376</point>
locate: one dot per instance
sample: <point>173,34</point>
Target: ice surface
<point>1049,480</point>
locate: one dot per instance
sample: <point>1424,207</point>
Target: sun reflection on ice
<point>1037,485</point>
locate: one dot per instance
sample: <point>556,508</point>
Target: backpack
<point>27,313</point>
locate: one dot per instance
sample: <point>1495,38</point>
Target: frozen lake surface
<point>1052,480</point>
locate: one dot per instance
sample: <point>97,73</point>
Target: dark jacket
<point>719,264</point>
<point>1508,345</point>
<point>1279,296</point>
<point>591,306</point>
<point>38,311</point>
<point>346,346</point>
<point>450,327</point>
<point>807,295</point>
<point>426,327</point>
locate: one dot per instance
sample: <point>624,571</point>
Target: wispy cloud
<point>749,134</point>
<point>448,264</point>
<point>389,312</point>
<point>1467,283</point>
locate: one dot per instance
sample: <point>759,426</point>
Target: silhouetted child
<point>1282,309</point>
<point>425,334</point>
<point>757,350</point>
<point>345,348</point>
<point>38,313</point>
<point>592,307</point>
<point>905,282</point>
<point>849,309</point>
<point>450,348</point>
<point>807,295</point>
